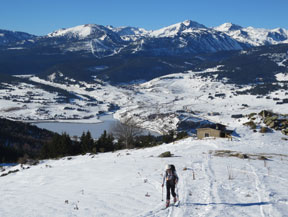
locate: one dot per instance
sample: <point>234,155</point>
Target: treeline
<point>149,140</point>
<point>21,141</point>
<point>18,139</point>
<point>62,145</point>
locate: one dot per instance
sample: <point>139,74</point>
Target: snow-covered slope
<point>254,36</point>
<point>163,103</point>
<point>128,183</point>
<point>83,32</point>
<point>77,32</point>
<point>96,39</point>
<point>128,33</point>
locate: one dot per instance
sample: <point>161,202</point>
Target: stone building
<point>217,130</point>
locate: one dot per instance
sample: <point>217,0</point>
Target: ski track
<point>263,196</point>
<point>206,184</point>
<point>191,205</point>
<point>213,189</point>
<point>259,190</point>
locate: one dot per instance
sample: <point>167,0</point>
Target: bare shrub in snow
<point>126,132</point>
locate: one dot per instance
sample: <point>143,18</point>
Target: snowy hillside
<point>129,33</point>
<point>163,103</point>
<point>215,180</point>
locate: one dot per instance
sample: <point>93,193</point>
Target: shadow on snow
<point>229,204</point>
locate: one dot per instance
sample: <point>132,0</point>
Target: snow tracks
<point>216,186</point>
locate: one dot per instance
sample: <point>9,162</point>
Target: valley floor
<point>128,182</point>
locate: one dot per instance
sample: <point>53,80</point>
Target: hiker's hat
<point>168,167</point>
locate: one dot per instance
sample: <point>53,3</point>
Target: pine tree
<point>60,146</point>
<point>105,142</point>
<point>65,145</point>
<point>86,142</point>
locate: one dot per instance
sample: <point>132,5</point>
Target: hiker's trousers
<point>170,186</point>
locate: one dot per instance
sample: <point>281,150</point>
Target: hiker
<point>171,178</point>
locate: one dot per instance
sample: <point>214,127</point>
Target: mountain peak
<point>81,31</point>
<point>228,27</point>
<point>192,24</point>
<point>172,30</point>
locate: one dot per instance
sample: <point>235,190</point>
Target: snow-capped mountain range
<point>177,39</point>
<point>254,36</point>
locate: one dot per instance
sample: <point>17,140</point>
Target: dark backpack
<point>173,173</point>
<point>173,168</point>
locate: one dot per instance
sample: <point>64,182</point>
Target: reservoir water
<point>76,129</point>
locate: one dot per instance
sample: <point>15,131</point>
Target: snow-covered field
<point>128,182</point>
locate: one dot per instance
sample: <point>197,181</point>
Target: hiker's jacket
<point>170,176</point>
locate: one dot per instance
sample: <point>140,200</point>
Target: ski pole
<point>162,193</point>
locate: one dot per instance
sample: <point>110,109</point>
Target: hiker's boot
<point>167,203</point>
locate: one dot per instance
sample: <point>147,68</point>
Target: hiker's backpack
<point>172,168</point>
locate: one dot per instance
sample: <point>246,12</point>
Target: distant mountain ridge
<point>128,54</point>
<point>177,39</point>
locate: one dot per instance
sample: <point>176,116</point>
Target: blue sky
<point>43,16</point>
